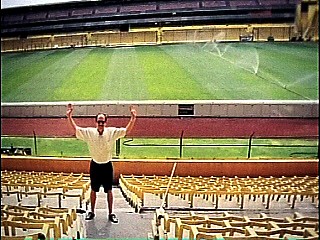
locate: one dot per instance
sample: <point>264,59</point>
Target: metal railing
<point>181,147</point>
<point>249,146</point>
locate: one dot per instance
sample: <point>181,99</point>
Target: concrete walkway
<point>131,225</point>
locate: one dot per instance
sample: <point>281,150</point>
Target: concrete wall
<point>217,108</point>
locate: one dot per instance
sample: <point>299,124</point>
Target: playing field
<point>205,71</point>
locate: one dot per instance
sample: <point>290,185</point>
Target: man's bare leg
<point>110,201</point>
<point>93,197</point>
<point>112,217</point>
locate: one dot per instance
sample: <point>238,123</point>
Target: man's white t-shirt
<point>100,146</point>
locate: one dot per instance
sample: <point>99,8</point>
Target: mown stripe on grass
<point>13,62</point>
<point>124,77</point>
<point>20,69</point>
<point>263,85</point>
<point>165,78</point>
<point>41,86</point>
<point>86,78</point>
<point>286,71</point>
<point>294,66</point>
<point>220,77</point>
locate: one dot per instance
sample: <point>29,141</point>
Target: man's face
<point>101,121</point>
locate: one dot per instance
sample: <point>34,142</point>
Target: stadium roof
<point>66,16</point>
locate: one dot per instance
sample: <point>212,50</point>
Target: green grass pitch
<point>206,71</point>
<point>202,71</point>
<point>162,148</point>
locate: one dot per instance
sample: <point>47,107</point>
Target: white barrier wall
<point>216,108</point>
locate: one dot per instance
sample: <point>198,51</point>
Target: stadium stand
<point>192,190</point>
<point>22,217</point>
<point>25,185</point>
<point>214,4</point>
<point>56,14</point>
<point>243,3</point>
<point>17,221</point>
<point>156,22</point>
<point>82,12</point>
<point>89,16</point>
<point>36,16</point>
<point>178,5</point>
<point>34,203</point>
<point>138,9</point>
<point>224,225</point>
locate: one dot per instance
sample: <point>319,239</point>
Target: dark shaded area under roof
<point>123,15</point>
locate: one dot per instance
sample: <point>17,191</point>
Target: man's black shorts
<point>101,175</point>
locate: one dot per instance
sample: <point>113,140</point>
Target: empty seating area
<point>113,9</point>
<point>82,12</point>
<point>243,3</point>
<point>214,4</point>
<point>67,11</point>
<point>48,205</point>
<point>58,18</point>
<point>37,189</point>
<point>226,225</point>
<point>273,2</point>
<point>36,16</point>
<point>134,8</point>
<point>39,222</point>
<point>179,5</point>
<point>56,14</point>
<point>212,193</point>
<point>41,205</point>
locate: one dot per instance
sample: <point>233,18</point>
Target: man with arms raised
<point>101,141</point>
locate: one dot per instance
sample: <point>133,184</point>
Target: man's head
<point>101,119</point>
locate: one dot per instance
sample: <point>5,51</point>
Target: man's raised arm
<point>132,119</point>
<point>69,116</point>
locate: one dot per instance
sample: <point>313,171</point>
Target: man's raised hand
<point>133,111</point>
<point>69,110</point>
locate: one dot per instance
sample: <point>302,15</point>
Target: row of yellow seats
<point>135,187</point>
<point>44,184</point>
<point>42,177</point>
<point>20,222</point>
<point>228,226</point>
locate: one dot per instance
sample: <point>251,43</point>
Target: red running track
<point>171,127</point>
